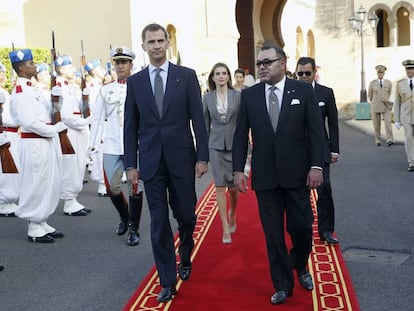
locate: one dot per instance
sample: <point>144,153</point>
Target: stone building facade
<point>204,32</point>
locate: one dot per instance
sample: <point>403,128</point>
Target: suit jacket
<point>171,135</point>
<point>325,98</point>
<point>404,100</point>
<point>221,130</point>
<point>380,96</point>
<point>283,157</point>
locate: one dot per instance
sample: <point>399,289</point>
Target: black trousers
<point>275,206</point>
<point>325,205</point>
<point>162,191</point>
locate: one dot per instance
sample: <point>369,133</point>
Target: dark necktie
<point>273,108</point>
<point>159,90</point>
<point>411,84</point>
<point>381,83</point>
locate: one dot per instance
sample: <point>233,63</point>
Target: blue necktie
<point>159,91</point>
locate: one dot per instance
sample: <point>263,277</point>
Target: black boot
<point>135,209</point>
<point>122,207</point>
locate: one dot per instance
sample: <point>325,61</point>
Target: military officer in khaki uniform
<point>379,92</point>
<point>404,110</point>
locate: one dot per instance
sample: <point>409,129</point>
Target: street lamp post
<point>357,24</point>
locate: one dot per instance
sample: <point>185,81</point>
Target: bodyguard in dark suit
<point>287,160</point>
<point>162,100</point>
<point>306,71</point>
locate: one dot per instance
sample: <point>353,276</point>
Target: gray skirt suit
<point>221,124</point>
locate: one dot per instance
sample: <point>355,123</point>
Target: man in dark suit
<point>306,71</point>
<point>168,158</point>
<point>287,160</point>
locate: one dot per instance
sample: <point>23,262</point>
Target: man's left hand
<point>201,168</point>
<point>315,178</point>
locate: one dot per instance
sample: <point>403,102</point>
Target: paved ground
<point>92,269</point>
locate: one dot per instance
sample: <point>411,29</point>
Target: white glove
<point>92,151</point>
<point>56,91</point>
<point>3,139</point>
<point>88,120</point>
<point>2,98</point>
<point>86,91</point>
<point>397,125</point>
<point>60,126</point>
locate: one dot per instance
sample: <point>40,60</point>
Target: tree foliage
<point>39,56</point>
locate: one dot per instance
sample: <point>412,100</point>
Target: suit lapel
<point>144,84</point>
<point>173,81</point>
<point>288,95</point>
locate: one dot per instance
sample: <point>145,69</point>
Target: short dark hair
<point>306,60</point>
<point>270,46</point>
<point>153,27</point>
<point>239,70</point>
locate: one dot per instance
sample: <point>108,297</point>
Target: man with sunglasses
<point>306,71</point>
<point>287,160</point>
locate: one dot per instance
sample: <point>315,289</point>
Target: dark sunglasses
<point>307,73</point>
<point>266,62</point>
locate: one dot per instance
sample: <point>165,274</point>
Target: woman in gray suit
<point>221,107</point>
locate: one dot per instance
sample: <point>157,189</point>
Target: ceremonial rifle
<point>86,112</point>
<point>56,103</point>
<point>109,64</point>
<point>7,163</point>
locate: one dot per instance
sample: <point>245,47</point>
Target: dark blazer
<point>170,135</point>
<point>325,99</point>
<point>285,157</point>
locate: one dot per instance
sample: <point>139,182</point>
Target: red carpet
<point>236,276</point>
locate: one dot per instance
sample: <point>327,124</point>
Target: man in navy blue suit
<point>287,159</point>
<point>306,71</point>
<point>158,126</point>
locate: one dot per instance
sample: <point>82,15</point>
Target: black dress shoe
<point>1,268</point>
<point>56,234</point>
<point>378,144</point>
<point>133,237</point>
<point>122,228</point>
<point>43,239</point>
<point>329,238</point>
<point>280,297</point>
<point>7,215</point>
<point>81,212</point>
<point>184,271</point>
<point>305,279</point>
<point>166,294</point>
<point>88,210</point>
<point>411,168</point>
<point>390,143</point>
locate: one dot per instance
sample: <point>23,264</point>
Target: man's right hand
<point>397,125</point>
<point>133,175</point>
<point>240,182</point>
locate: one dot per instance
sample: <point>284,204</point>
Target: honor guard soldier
<point>94,83</point>
<point>379,92</point>
<point>78,133</point>
<point>40,152</point>
<point>110,107</point>
<point>9,183</point>
<point>43,81</point>
<point>404,110</point>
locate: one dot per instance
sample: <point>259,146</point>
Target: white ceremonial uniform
<point>45,91</point>
<point>110,105</point>
<point>40,158</point>
<point>9,183</point>
<point>78,132</point>
<point>97,173</point>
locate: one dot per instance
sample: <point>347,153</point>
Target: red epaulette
<point>19,89</point>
